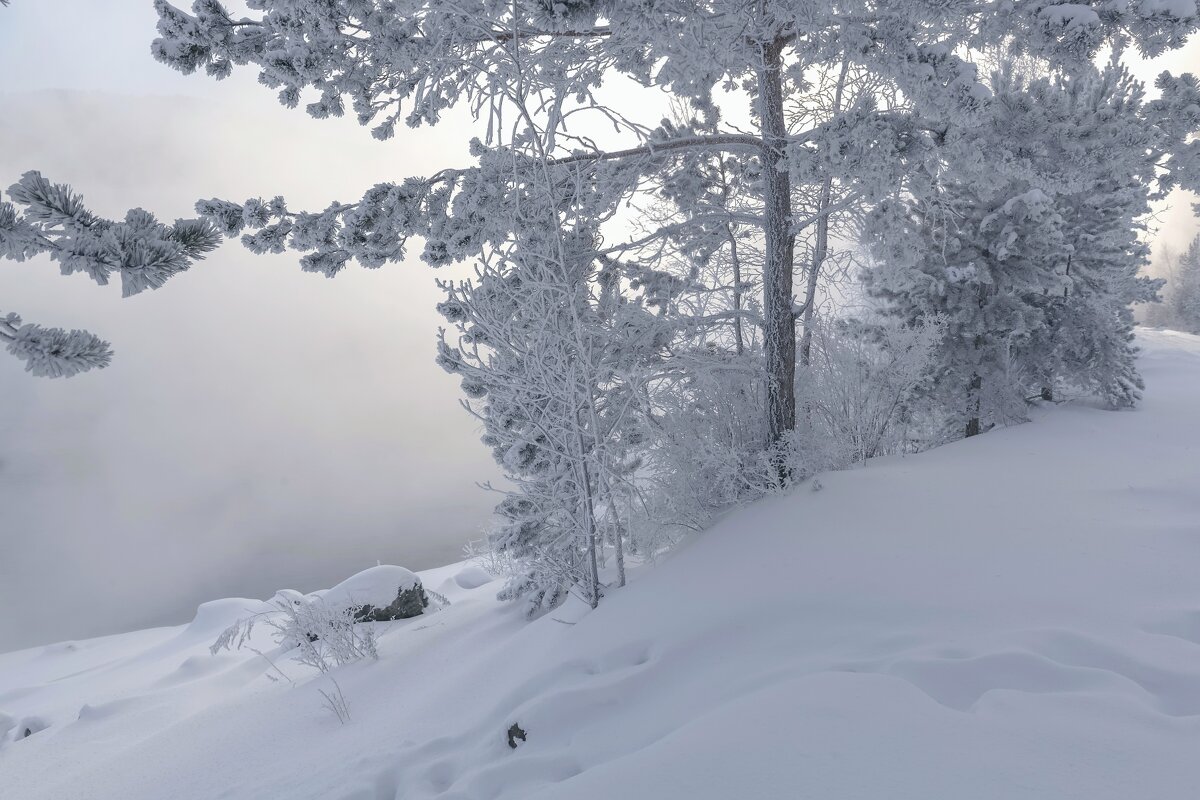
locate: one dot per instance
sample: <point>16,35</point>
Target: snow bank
<point>1012,616</point>
<point>216,615</point>
<point>377,586</point>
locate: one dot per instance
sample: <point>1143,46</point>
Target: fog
<point>260,427</point>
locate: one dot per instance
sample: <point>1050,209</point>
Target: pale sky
<point>260,428</point>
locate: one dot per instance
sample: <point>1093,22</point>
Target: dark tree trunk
<point>779,318</point>
<point>973,402</point>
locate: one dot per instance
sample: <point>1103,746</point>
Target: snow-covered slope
<point>1015,616</point>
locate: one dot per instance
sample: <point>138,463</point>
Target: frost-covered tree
<point>411,61</point>
<point>533,74</point>
<point>1181,304</point>
<point>1119,152</point>
<point>981,265</point>
<point>1188,303</point>
<point>549,355</point>
<point>1027,238</point>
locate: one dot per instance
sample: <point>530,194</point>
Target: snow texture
<point>1014,615</point>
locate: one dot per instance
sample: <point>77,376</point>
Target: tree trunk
<point>973,402</point>
<point>821,245</point>
<point>820,251</point>
<point>735,262</point>
<point>779,318</point>
<point>589,519</point>
<point>737,291</point>
<point>620,548</point>
<point>615,527</point>
<point>584,479</point>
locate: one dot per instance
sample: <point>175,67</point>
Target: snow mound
<point>216,615</point>
<point>1012,616</point>
<point>472,577</point>
<point>377,586</point>
<point>28,726</point>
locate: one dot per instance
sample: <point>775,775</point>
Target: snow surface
<point>1013,616</point>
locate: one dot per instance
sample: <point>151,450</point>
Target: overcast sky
<point>260,428</point>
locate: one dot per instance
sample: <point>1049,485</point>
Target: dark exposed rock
<point>409,602</point>
<point>515,733</point>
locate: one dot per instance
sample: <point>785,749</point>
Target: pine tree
<point>1182,305</point>
<point>411,61</point>
<point>1034,253</point>
<point>1111,160</point>
<point>438,56</point>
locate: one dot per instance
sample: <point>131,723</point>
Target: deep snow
<point>1013,616</point>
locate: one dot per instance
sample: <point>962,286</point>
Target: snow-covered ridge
<point>1011,616</point>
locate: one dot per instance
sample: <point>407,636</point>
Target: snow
<point>377,586</point>
<point>1032,198</point>
<point>1180,9</point>
<point>1015,615</point>
<point>1071,15</point>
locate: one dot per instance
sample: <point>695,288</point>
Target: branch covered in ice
<point>53,352</point>
<point>45,217</point>
<point>41,217</point>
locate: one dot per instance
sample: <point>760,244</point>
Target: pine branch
<point>54,352</point>
<point>500,37</point>
<point>726,141</point>
<point>52,219</point>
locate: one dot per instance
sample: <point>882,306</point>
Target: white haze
<point>251,407</point>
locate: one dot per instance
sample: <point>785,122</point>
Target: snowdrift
<point>1014,616</point>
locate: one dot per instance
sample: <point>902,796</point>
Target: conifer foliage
<point>392,62</point>
<point>43,217</point>
<point>1033,252</point>
<point>1181,304</point>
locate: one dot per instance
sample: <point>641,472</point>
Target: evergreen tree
<point>1033,252</point>
<point>1182,304</point>
<point>413,60</point>
<point>1113,156</point>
